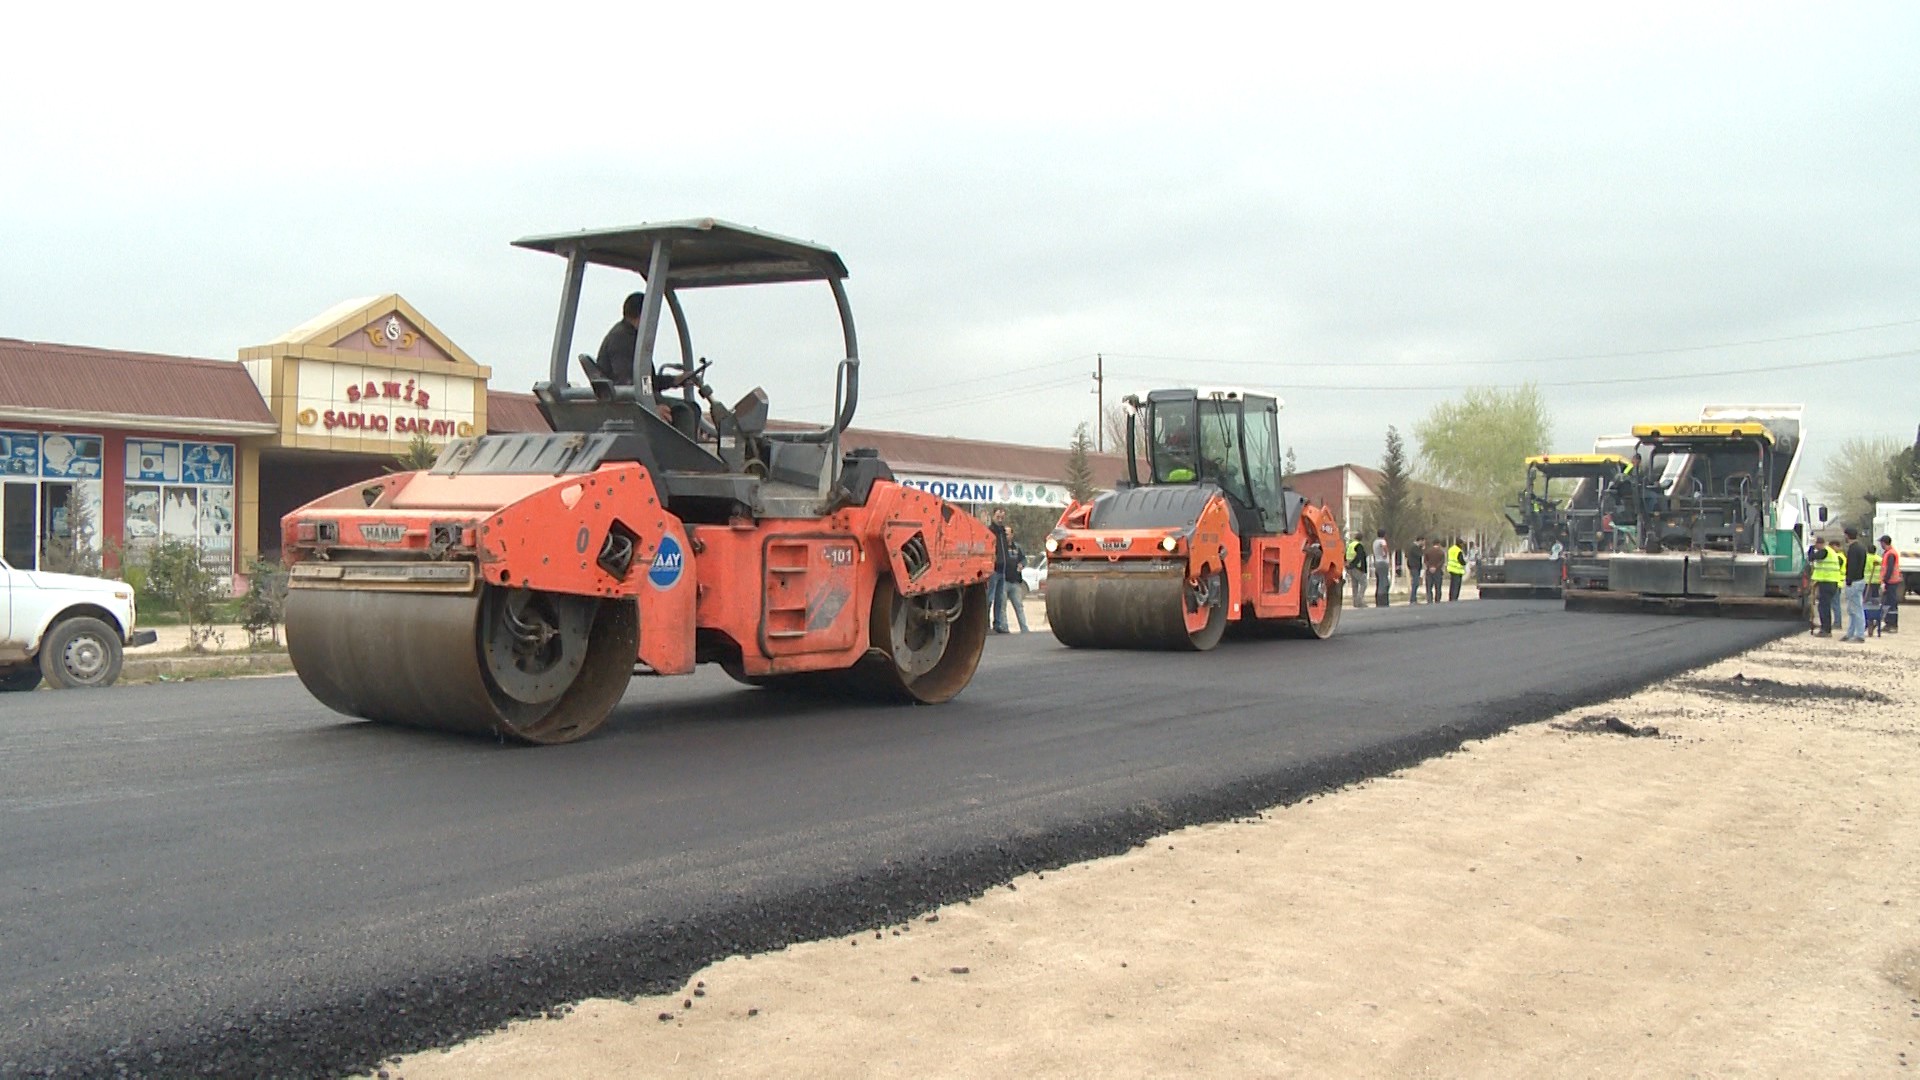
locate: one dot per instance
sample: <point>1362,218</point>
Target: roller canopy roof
<point>703,253</point>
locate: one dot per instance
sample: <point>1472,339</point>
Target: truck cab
<point>66,629</point>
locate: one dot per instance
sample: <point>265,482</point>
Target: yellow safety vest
<point>1353,550</point>
<point>1456,560</point>
<point>1832,568</point>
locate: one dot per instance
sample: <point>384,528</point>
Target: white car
<point>67,629</point>
<point>1034,574</point>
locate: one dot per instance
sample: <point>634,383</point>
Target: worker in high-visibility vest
<point>1456,568</point>
<point>1870,597</point>
<point>1827,568</point>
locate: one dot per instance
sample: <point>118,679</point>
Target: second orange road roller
<point>517,586</point>
<point>1207,538</point>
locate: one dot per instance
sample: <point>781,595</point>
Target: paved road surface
<point>225,875</point>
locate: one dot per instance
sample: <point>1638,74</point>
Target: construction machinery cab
<point>1720,479</point>
<point>1570,500</point>
<point>711,462</point>
<point>1227,438</point>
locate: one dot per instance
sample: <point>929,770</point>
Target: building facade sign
<point>346,399</point>
<point>985,491</point>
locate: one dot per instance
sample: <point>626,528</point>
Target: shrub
<point>179,580</point>
<point>264,606</point>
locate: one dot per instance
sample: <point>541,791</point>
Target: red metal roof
<point>56,381</point>
<point>904,452</point>
<point>509,413</point>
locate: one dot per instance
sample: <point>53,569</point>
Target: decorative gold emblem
<point>391,335</point>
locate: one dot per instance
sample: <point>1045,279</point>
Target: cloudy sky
<point>1367,209</point>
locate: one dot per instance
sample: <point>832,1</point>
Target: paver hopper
<point>1720,528</point>
<point>516,586</point>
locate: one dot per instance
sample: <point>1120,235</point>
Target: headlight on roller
<point>1169,543</point>
<point>1052,545</point>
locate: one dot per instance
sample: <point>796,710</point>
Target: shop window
<point>181,491</point>
<point>19,512</point>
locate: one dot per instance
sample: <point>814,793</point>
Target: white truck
<point>1902,522</point>
<point>64,628</point>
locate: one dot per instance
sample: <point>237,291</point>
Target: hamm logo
<point>383,534</point>
<point>667,564</point>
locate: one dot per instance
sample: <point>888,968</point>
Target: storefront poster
<point>180,513</point>
<point>143,515</point>
<point>217,527</point>
<point>206,463</point>
<point>152,460</point>
<point>70,456</point>
<point>19,453</point>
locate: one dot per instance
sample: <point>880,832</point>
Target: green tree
<point>1396,508</point>
<point>420,454</point>
<point>1903,475</point>
<point>1079,478</point>
<point>1477,445</point>
<point>1855,477</point>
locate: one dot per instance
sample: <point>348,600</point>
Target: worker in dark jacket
<point>997,585</point>
<point>619,351</point>
<point>1016,587</point>
<point>1357,570</point>
<point>1856,582</point>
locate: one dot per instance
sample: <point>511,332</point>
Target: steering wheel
<point>675,376</point>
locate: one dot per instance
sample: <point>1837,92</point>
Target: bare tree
<point>1113,423</point>
<point>1857,475</point>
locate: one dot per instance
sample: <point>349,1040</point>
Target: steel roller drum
<point>434,660</point>
<point>1116,609</point>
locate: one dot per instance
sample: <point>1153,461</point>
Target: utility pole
<point>1099,403</point>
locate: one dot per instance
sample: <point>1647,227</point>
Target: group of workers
<point>1428,563</point>
<point>1853,578</point>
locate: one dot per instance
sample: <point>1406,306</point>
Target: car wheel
<point>80,652</point>
<point>25,677</point>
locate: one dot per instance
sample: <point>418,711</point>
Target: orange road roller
<point>516,586</point>
<point>1209,538</point>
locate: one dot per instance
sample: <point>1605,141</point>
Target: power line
<point>1534,359</point>
<point>992,395</point>
<point>1799,366</point>
<point>924,387</point>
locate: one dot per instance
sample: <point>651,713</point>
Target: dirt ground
<point>1734,897</point>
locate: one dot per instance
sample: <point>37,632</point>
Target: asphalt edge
<point>444,1008</point>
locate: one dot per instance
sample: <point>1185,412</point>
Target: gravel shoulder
<point>1735,896</point>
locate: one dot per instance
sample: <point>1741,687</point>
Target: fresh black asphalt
<point>226,879</point>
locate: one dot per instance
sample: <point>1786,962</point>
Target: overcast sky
<point>1367,209</point>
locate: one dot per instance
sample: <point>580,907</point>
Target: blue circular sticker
<point>667,564</point>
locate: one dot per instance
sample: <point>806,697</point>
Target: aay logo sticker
<point>667,564</point>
